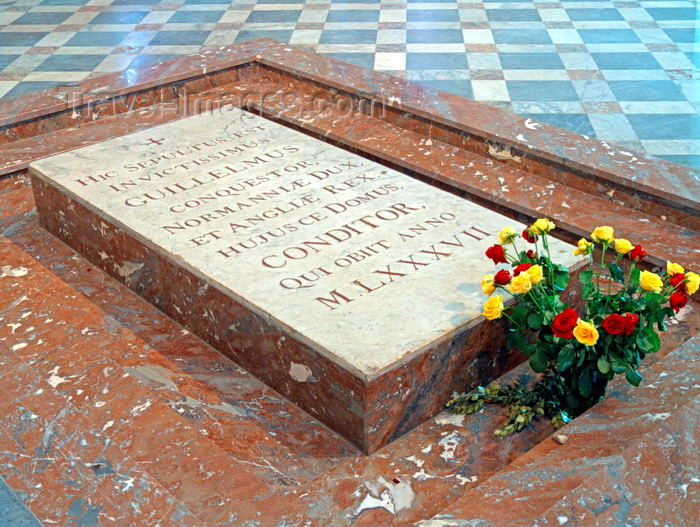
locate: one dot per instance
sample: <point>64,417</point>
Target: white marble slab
<point>362,262</point>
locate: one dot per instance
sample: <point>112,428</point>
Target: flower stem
<point>602,263</point>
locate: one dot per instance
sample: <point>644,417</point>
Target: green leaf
<point>634,278</point>
<point>607,340</point>
<point>655,342</point>
<point>616,273</point>
<point>603,365</point>
<point>652,301</point>
<point>555,304</point>
<point>561,281</point>
<point>517,339</point>
<point>566,357</point>
<point>586,277</point>
<point>633,377</point>
<point>660,314</point>
<point>644,344</point>
<point>619,366</point>
<point>584,383</point>
<point>642,320</point>
<point>511,339</point>
<point>561,277</point>
<point>535,320</point>
<point>529,348</point>
<point>538,361</point>
<point>519,314</point>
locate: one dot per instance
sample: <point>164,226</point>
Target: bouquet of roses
<point>577,352</point>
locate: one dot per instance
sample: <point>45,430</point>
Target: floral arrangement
<point>576,352</point>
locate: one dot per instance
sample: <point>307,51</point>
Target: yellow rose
<point>542,226</point>
<point>535,273</point>
<point>520,284</point>
<point>586,333</point>
<point>493,307</point>
<point>673,268</point>
<point>650,281</point>
<point>487,285</point>
<point>506,236</point>
<point>623,246</point>
<point>584,247</point>
<point>693,282</point>
<point>603,234</point>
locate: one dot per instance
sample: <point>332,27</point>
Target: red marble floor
<point>113,414</point>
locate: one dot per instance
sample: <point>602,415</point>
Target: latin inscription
<point>237,194</point>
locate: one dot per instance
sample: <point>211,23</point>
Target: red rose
<point>637,253</point>
<point>564,323</point>
<point>496,253</point>
<point>631,321</point>
<point>677,282</point>
<point>521,268</point>
<point>678,300</point>
<point>531,254</point>
<point>502,277</point>
<point>529,236</point>
<point>614,324</point>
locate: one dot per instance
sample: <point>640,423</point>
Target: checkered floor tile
<point>620,70</point>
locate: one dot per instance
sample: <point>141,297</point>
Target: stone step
<point>442,464</point>
<point>653,481</point>
<point>64,469</point>
<point>649,481</point>
<point>81,389</point>
<point>12,509</point>
<point>58,459</point>
<point>598,441</point>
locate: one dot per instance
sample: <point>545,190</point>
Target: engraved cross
<point>152,141</point>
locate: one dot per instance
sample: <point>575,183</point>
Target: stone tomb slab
<point>349,287</point>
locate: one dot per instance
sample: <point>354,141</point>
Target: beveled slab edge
<point>656,177</point>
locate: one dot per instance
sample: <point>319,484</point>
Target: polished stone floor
<point>623,71</point>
